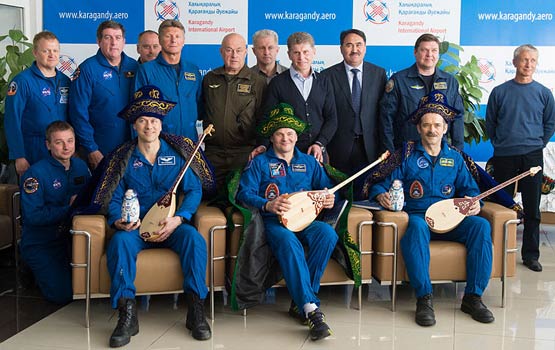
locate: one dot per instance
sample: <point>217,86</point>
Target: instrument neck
<point>500,186</point>
<point>189,161</point>
<point>360,172</point>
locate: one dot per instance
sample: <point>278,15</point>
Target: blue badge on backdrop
<point>510,22</point>
<point>70,20</point>
<point>323,19</point>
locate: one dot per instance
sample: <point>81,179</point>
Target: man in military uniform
<point>48,189</point>
<point>232,97</point>
<point>405,88</point>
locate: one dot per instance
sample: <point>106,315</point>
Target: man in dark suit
<point>356,142</point>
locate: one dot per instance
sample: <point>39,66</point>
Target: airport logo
<point>376,11</point>
<point>166,9</point>
<point>488,70</point>
<point>67,65</point>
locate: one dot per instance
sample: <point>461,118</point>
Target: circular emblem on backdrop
<point>166,9</point>
<point>422,163</point>
<point>67,65</point>
<point>376,11</point>
<point>31,185</point>
<point>487,69</point>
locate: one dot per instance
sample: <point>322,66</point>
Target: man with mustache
<point>358,87</point>
<point>433,171</point>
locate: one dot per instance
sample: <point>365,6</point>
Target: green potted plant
<point>468,76</point>
<point>19,56</point>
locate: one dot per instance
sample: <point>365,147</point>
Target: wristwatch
<point>321,146</point>
<point>183,220</point>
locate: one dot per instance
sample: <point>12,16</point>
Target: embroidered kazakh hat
<point>147,101</point>
<point>281,116</point>
<point>435,102</point>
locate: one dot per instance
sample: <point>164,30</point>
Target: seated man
<point>264,184</point>
<point>433,172</point>
<point>151,164</point>
<point>49,188</point>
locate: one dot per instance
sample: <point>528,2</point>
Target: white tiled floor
<point>526,322</point>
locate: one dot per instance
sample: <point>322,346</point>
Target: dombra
<point>445,215</point>
<point>306,205</point>
<point>165,206</point>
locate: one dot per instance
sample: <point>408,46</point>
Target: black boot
<point>196,321</point>
<point>128,324</point>
<point>425,315</point>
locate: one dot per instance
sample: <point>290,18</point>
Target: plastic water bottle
<point>396,195</point>
<point>130,209</point>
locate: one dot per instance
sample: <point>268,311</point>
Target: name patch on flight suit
<point>416,190</point>
<point>276,169</point>
<point>189,76</point>
<point>166,160</point>
<point>56,184</point>
<point>244,88</point>
<point>12,89</point>
<point>64,93</point>
<point>31,185</point>
<point>447,162</point>
<point>298,168</point>
<point>129,74</point>
<point>440,85</point>
<point>272,192</point>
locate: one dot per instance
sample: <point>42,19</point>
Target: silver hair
<point>525,47</point>
<point>263,33</point>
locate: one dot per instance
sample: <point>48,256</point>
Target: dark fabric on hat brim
<point>269,126</point>
<point>148,108</point>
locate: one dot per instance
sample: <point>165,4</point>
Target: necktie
<point>355,98</point>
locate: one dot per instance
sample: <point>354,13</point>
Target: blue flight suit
<point>151,181</point>
<point>45,194</point>
<point>426,182</point>
<point>401,100</point>
<point>183,87</point>
<point>33,101</point>
<point>98,92</point>
<point>265,178</point>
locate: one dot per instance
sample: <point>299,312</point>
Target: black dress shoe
<point>425,315</point>
<point>533,265</point>
<point>472,304</point>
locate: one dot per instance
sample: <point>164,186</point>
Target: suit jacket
<point>373,83</point>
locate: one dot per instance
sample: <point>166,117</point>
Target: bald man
<point>232,96</point>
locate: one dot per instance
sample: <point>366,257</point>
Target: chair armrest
<point>497,215</point>
<point>96,226</point>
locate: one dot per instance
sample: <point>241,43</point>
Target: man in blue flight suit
<point>102,85</point>
<point>405,88</point>
<point>48,190</point>
<point>35,98</point>
<point>264,184</point>
<point>178,79</point>
<point>150,168</point>
<point>431,173</point>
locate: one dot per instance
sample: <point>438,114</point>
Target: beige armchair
<point>360,228</point>
<point>158,270</point>
<point>447,259</point>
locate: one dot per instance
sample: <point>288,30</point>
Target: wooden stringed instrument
<point>445,215</point>
<point>306,205</point>
<point>165,206</point>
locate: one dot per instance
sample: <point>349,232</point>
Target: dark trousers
<point>507,167</point>
<point>353,161</point>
